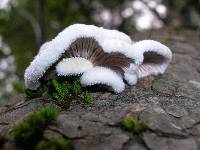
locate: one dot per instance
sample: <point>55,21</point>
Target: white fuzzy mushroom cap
<point>51,51</point>
<point>117,35</point>
<point>145,69</point>
<point>110,41</point>
<point>73,66</point>
<point>102,75</point>
<point>131,74</point>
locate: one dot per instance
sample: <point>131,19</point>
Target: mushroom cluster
<point>99,55</point>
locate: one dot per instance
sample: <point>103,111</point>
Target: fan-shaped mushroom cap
<point>152,57</point>
<point>103,57</point>
<point>131,74</point>
<point>102,75</point>
<point>73,66</point>
<point>117,35</point>
<point>51,52</point>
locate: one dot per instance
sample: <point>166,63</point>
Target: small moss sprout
<point>133,125</point>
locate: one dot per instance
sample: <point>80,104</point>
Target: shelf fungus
<point>99,56</point>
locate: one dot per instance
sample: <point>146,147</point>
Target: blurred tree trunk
<point>37,20</point>
<point>41,18</point>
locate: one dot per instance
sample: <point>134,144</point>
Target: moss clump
<point>30,130</point>
<point>87,98</point>
<point>76,87</point>
<point>61,144</point>
<point>2,140</point>
<point>60,91</point>
<point>63,91</point>
<point>133,125</point>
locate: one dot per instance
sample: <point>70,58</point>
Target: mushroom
<point>103,75</point>
<point>99,55</point>
<point>81,48</point>
<point>152,57</point>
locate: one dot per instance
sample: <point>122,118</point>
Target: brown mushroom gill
<point>89,49</point>
<point>153,58</point>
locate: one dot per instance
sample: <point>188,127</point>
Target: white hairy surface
<point>117,35</point>
<point>131,74</point>
<point>139,49</point>
<point>102,75</point>
<point>73,66</point>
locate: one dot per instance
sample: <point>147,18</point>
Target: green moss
<point>87,98</point>
<point>61,144</point>
<point>29,133</point>
<point>62,91</point>
<point>30,130</point>
<point>76,87</point>
<point>2,140</point>
<point>133,125</point>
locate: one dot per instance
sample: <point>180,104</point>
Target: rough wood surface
<point>169,105</point>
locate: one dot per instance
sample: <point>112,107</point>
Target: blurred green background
<point>26,24</point>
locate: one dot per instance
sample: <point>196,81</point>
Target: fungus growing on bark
<point>152,57</point>
<point>99,55</point>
